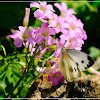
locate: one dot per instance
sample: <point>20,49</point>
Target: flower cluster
<point>66,26</point>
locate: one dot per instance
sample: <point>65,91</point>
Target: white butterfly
<point>72,62</point>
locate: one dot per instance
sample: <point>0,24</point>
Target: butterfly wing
<point>82,60</point>
<point>68,67</point>
<point>72,62</point>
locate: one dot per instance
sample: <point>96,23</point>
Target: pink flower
<point>76,27</point>
<point>72,41</point>
<point>44,33</point>
<point>56,77</point>
<point>75,43</point>
<point>26,17</point>
<point>64,9</point>
<point>69,41</point>
<point>53,19</point>
<point>41,53</point>
<point>52,66</point>
<point>43,9</point>
<point>60,45</point>
<point>32,48</point>
<point>20,36</point>
<point>61,25</point>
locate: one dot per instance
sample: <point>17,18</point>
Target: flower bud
<point>26,17</point>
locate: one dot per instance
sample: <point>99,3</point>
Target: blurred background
<point>12,14</point>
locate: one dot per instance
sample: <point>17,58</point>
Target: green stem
<point>39,75</point>
<point>26,54</point>
<point>4,50</point>
<point>32,58</point>
<point>22,74</point>
<point>35,22</point>
<point>49,57</point>
<point>16,84</point>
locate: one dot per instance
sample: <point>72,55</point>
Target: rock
<point>87,86</point>
<point>45,89</point>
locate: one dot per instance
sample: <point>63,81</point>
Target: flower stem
<point>22,74</point>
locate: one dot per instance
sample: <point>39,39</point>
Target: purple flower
<point>20,36</point>
<point>56,77</point>
<point>44,33</point>
<point>43,9</point>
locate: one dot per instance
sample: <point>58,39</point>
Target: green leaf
<point>9,86</point>
<point>94,52</point>
<point>23,92</point>
<point>8,75</point>
<point>86,72</point>
<point>1,96</point>
<point>16,66</point>
<point>1,87</point>
<point>38,23</point>
<point>15,72</point>
<point>15,78</point>
<point>22,60</point>
<point>0,47</point>
<point>1,57</point>
<point>35,62</point>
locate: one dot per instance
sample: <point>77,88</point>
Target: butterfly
<point>72,62</point>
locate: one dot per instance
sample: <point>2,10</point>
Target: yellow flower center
<point>43,8</point>
<point>62,15</point>
<point>72,27</point>
<point>25,36</point>
<point>70,41</point>
<point>45,34</point>
<point>57,24</point>
<point>55,76</point>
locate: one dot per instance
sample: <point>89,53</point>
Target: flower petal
<point>38,13</point>
<point>34,4</point>
<point>23,29</point>
<point>64,6</point>
<point>58,6</point>
<point>71,11</point>
<point>44,26</point>
<point>50,7</point>
<point>50,78</point>
<point>55,82</point>
<point>18,42</point>
<point>52,31</point>
<point>39,39</point>
<point>57,53</point>
<point>50,40</point>
<point>15,34</point>
<point>31,40</point>
<point>42,3</point>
